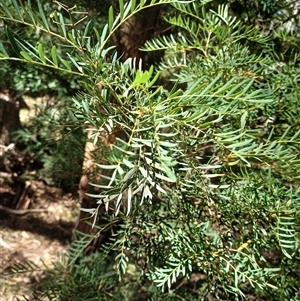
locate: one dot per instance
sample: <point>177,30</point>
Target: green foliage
<point>52,141</point>
<point>29,79</point>
<point>206,182</point>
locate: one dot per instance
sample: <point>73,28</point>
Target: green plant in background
<point>54,142</point>
<point>48,94</point>
<point>205,185</point>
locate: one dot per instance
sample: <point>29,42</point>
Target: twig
<point>21,212</point>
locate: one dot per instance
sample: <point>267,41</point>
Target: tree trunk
<point>133,34</point>
<point>9,116</point>
<point>10,105</point>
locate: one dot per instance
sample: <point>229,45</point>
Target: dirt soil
<point>35,237</point>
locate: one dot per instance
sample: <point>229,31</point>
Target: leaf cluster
<point>204,179</point>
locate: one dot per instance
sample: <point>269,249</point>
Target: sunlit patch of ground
<point>35,237</point>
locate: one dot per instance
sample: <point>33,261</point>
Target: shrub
<point>205,185</point>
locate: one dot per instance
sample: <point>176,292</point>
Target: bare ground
<point>36,237</point>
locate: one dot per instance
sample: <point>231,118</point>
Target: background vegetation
<point>194,117</point>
